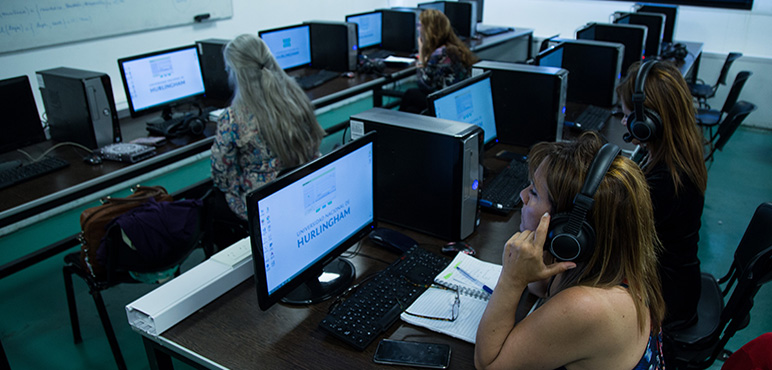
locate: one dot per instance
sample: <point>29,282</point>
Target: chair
<point>698,346</point>
<point>702,91</point>
<point>120,260</point>
<point>710,117</point>
<point>728,126</point>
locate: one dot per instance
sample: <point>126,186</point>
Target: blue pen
<point>486,288</point>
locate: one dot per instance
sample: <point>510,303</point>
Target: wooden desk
<point>232,332</point>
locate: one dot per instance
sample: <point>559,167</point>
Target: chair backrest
<point>752,268</point>
<point>725,68</point>
<point>734,91</point>
<point>731,122</point>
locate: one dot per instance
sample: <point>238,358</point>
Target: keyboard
<point>492,30</point>
<point>15,175</point>
<point>374,306</point>
<point>592,118</point>
<point>316,79</point>
<point>502,193</point>
<point>378,54</point>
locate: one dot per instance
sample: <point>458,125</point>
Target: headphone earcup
<point>644,128</point>
<point>196,125</point>
<point>564,245</point>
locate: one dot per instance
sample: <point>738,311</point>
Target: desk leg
<point>377,97</point>
<point>158,359</point>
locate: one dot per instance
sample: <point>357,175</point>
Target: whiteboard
<point>27,24</point>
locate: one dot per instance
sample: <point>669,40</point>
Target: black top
<point>677,219</point>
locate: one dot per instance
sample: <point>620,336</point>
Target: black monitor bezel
<point>671,15</point>
<point>265,300</point>
<point>374,46</point>
<point>168,104</point>
<point>439,94</point>
<point>16,84</point>
<point>648,53</point>
<point>310,43</point>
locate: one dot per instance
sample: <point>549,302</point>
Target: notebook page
<point>437,303</point>
<point>485,272</point>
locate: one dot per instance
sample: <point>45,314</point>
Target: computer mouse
<point>453,248</point>
<point>93,159</point>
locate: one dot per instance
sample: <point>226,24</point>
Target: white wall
<point>721,30</point>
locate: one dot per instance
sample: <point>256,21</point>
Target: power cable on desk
<point>53,148</point>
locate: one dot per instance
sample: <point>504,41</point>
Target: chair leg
<point>4,364</point>
<point>71,305</point>
<point>105,318</point>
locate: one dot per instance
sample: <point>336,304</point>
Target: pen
<point>486,288</point>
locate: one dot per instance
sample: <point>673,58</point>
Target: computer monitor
<point>21,125</point>
<point>632,36</point>
<point>439,5</point>
<point>469,101</point>
<point>300,223</point>
<point>369,28</point>
<point>479,10</point>
<point>670,12</point>
<point>162,80</point>
<point>463,17</point>
<point>291,46</point>
<point>551,57</point>
<point>655,24</point>
<point>399,31</point>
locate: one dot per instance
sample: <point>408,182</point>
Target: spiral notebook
<point>438,303</point>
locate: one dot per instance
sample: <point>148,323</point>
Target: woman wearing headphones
<point>269,126</point>
<point>603,304</point>
<point>659,115</point>
<point>443,59</point>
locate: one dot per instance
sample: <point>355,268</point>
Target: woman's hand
<point>523,256</point>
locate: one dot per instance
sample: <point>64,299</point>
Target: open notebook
<point>439,302</point>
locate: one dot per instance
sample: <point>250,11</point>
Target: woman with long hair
<point>270,124</point>
<point>675,171</point>
<point>602,310</point>
<point>443,59</point>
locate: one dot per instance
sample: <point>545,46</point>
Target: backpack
<point>93,222</point>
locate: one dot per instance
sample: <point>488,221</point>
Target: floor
<point>35,329</point>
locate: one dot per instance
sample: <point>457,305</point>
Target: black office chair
<point>120,261</point>
<point>728,126</point>
<point>698,346</point>
<point>709,118</point>
<point>702,91</point>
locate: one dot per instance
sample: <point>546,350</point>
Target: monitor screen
<point>369,28</point>
<point>291,46</point>
<point>161,79</point>
<point>655,24</point>
<point>552,57</point>
<point>300,223</point>
<point>469,101</point>
<point>632,36</point>
<point>21,125</point>
<point>670,12</point>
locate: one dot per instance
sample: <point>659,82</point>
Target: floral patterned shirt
<point>241,161</point>
<point>441,70</point>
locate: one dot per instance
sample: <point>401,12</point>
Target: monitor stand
<point>336,276</point>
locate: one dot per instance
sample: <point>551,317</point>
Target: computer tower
<point>528,101</point>
<point>80,106</point>
<point>428,171</point>
<point>210,53</point>
<point>399,30</point>
<point>333,45</point>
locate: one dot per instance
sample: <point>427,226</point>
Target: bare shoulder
<point>595,308</point>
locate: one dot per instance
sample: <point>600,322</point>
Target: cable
<point>53,148</point>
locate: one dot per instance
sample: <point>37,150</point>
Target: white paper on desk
<point>396,59</point>
<point>485,272</point>
<point>437,303</point>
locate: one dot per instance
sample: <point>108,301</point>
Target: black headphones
<point>191,124</point>
<point>643,124</point>
<point>571,237</point>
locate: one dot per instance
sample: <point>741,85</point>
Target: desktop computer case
<point>334,45</point>
<point>80,106</point>
<point>528,101</point>
<point>210,54</point>
<point>428,171</point>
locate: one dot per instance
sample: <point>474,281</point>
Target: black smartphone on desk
<point>397,352</point>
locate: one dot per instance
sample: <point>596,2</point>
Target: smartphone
<point>397,352</point>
